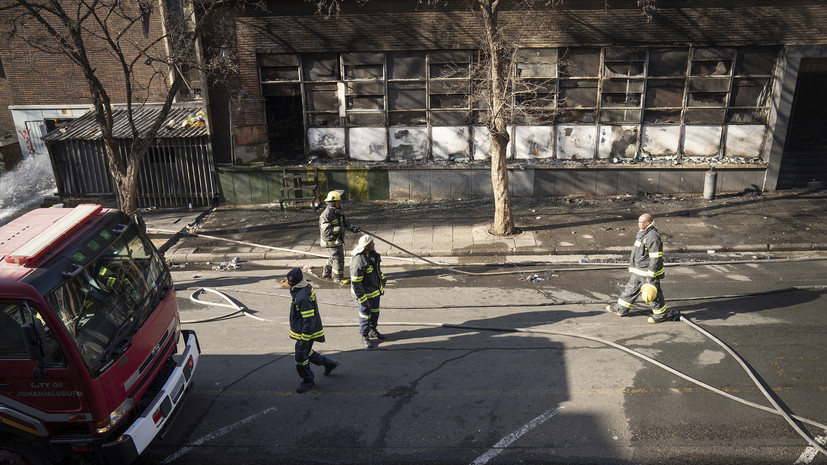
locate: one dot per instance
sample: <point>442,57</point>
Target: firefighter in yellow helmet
<point>332,225</point>
<point>646,267</point>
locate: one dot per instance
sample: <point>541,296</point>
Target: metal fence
<point>175,172</point>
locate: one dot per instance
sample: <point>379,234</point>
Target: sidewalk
<point>456,231</point>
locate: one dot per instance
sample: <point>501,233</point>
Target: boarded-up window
<point>712,61</point>
<point>662,116</point>
<point>624,62</point>
<point>578,93</point>
<point>279,67</point>
<point>408,118</point>
<point>579,62</point>
<point>358,66</point>
<point>755,61</point>
<point>664,93</point>
<point>450,118</point>
<point>406,96</point>
<point>321,67</point>
<point>449,64</point>
<point>621,92</point>
<point>750,92</point>
<point>322,97</point>
<point>668,62</point>
<point>536,63</point>
<point>619,116</point>
<point>704,116</point>
<point>406,65</point>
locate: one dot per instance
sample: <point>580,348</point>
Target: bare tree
<point>126,51</point>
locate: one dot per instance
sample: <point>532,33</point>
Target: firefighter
<point>367,283</point>
<point>646,266</point>
<point>306,328</point>
<point>332,225</point>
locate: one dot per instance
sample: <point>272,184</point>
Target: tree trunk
<point>503,219</point>
<point>124,172</point>
<point>497,123</point>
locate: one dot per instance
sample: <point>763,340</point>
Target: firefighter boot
<point>374,333</point>
<point>366,341</point>
<point>329,367</point>
<point>326,271</point>
<point>613,309</point>
<point>305,386</point>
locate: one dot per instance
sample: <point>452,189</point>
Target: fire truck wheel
<point>16,453</point>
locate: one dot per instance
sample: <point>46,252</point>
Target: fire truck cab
<point>93,362</point>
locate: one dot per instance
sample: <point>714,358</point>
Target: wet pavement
<point>552,229</point>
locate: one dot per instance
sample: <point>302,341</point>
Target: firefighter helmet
<point>333,196</point>
<point>648,292</point>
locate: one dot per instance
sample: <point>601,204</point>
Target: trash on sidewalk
<point>231,265</point>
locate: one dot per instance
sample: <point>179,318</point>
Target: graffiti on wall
<point>27,142</point>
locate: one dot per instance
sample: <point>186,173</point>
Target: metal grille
<point>175,172</point>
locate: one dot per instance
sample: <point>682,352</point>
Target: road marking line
<point>810,452</point>
<point>508,440</point>
<point>215,434</point>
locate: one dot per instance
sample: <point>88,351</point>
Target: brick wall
<point>6,123</point>
<point>36,77</point>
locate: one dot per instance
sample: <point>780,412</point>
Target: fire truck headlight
<point>116,416</point>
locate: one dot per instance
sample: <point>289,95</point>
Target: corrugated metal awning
<point>183,121</point>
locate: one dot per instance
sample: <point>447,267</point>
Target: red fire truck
<point>93,362</point>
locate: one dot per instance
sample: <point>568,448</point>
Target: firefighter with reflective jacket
<point>306,328</point>
<point>368,284</point>
<point>646,267</point>
<point>332,225</point>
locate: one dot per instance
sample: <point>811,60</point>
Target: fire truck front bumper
<point>127,447</point>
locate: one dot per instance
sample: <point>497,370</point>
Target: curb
<point>558,255</point>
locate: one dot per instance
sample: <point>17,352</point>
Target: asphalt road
<point>527,375</point>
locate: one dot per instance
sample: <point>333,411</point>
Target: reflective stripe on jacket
<point>332,224</point>
<point>305,321</point>
<point>366,278</point>
<point>647,254</point>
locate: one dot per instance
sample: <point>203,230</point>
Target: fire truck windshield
<point>110,294</point>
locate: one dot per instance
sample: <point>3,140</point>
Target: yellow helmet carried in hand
<point>333,196</point>
<point>648,292</point>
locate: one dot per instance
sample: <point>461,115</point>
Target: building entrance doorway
<point>285,128</point>
<point>805,152</point>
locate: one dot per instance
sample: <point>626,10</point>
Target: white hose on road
<point>777,410</point>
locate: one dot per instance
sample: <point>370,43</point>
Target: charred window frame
<point>578,83</point>
<point>449,90</point>
<point>622,85</point>
<point>2,70</point>
<point>320,75</point>
<point>407,88</point>
<point>666,77</point>
<point>752,85</point>
<point>535,85</point>
<point>364,88</point>
<point>709,85</point>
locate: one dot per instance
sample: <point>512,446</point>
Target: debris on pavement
<point>224,266</point>
<point>534,278</point>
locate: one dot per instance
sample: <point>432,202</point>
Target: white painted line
<point>508,440</point>
<point>215,434</point>
<point>810,452</point>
